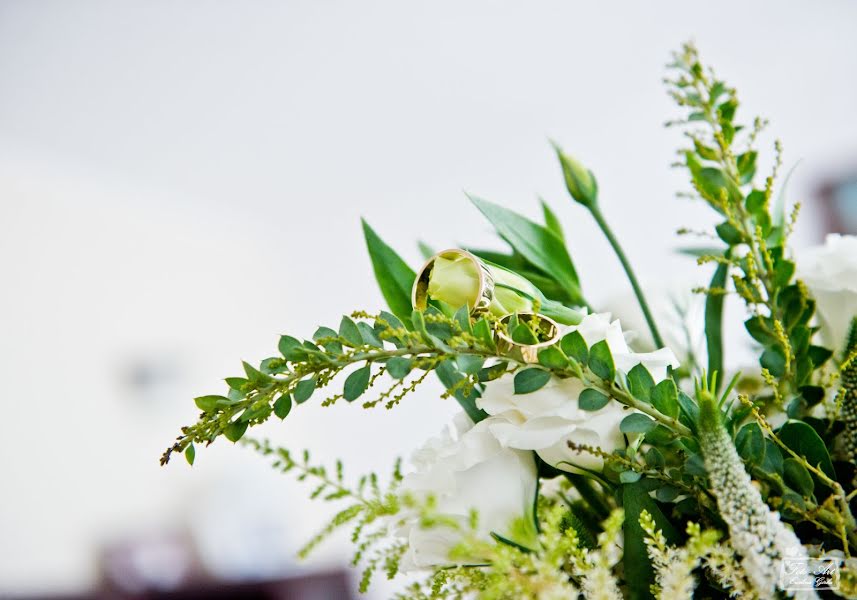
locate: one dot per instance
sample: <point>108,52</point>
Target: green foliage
<point>370,509</point>
<point>722,165</point>
<point>536,244</point>
<point>659,476</point>
<point>392,273</point>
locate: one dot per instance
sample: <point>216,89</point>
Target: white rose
<point>830,273</point>
<point>546,420</point>
<point>464,469</point>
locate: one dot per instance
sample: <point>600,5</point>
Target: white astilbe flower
<point>725,570</point>
<point>755,531</point>
<point>598,582</point>
<point>673,566</point>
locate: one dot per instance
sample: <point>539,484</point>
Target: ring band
<point>485,294</point>
<point>528,353</point>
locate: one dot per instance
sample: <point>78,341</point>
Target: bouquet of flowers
<point>583,464</point>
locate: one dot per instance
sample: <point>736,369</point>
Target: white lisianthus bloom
<point>830,273</point>
<point>546,420</point>
<point>466,469</point>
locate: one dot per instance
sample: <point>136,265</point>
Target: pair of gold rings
<point>545,328</point>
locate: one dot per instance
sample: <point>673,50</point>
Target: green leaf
<point>750,443</point>
<point>714,323</point>
<point>797,477</point>
<point>552,358</point>
<point>711,181</point>
<point>235,430</point>
<point>370,338</point>
<point>236,383</point>
<point>591,399</point>
<point>728,233</point>
<point>773,461</point>
<point>255,376</point>
<point>394,276</point>
<point>654,458</point>
<point>804,441</point>
<point>349,331</point>
<point>304,389</point>
<point>574,346</point>
<point>819,355</point>
<point>282,406</point>
<point>209,403</point>
<point>462,317</point>
<point>398,367</point>
<point>450,377</point>
<point>760,330</point>
<point>328,333</point>
<point>482,332</point>
<point>530,380</point>
<point>747,166</point>
<point>629,476</point>
<point>601,361</point>
<point>552,222</point>
<point>774,361</point>
<point>640,383</point>
<point>469,363</point>
<point>356,383</point>
<point>636,423</point>
<point>637,566</point>
<point>689,410</point>
<point>190,454</point>
<point>665,398</point>
<point>291,348</point>
<point>667,493</point>
<point>536,243</point>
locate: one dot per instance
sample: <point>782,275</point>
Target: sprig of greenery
<point>462,352</point>
<point>722,166</point>
<point>371,509</point>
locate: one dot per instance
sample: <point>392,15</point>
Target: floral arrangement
<point>583,464</point>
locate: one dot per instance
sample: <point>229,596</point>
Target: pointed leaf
<point>536,243</point>
<point>394,276</point>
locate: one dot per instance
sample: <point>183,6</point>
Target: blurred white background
<point>181,182</point>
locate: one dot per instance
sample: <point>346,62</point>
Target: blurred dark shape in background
<point>837,199</point>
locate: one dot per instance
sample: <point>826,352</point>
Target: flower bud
<point>579,180</point>
<point>455,280</point>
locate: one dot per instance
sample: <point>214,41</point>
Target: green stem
<point>638,291</point>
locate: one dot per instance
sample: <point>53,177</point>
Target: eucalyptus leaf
<point>530,380</point>
<point>235,430</point>
<point>637,423</point>
<point>591,399</point>
<point>573,345</point>
<point>356,383</point>
<point>640,383</point>
<point>665,398</point>
<point>304,389</point>
<point>601,361</point>
<point>398,367</point>
<point>283,405</point>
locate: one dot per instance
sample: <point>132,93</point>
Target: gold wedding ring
<point>485,290</point>
<point>544,327</point>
